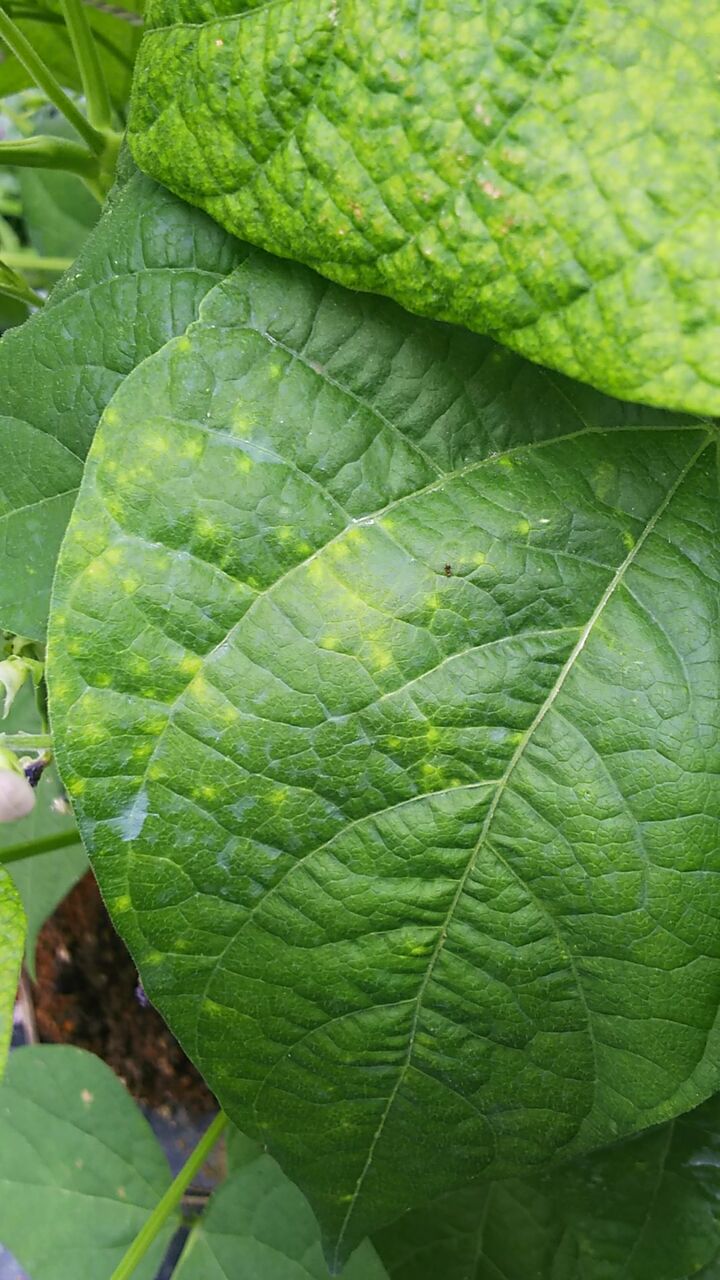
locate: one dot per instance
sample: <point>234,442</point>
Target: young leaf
<point>646,1209</point>
<point>544,172</point>
<point>259,1225</point>
<point>80,1169</point>
<point>384,678</point>
<point>138,281</point>
<point>12,938</point>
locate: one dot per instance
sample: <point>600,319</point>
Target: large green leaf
<point>259,1226</point>
<point>42,881</point>
<point>80,1169</point>
<point>384,678</point>
<point>138,281</point>
<point>546,171</point>
<point>12,939</point>
<point>647,1209</point>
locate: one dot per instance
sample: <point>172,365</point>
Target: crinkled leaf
<point>80,1168</point>
<point>12,938</point>
<point>384,677</point>
<point>259,1225</point>
<point>138,281</point>
<point>646,1209</point>
<point>43,880</point>
<point>546,172</point>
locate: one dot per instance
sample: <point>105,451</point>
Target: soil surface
<point>88,994</point>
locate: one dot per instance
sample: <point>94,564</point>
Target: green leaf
<point>80,1169</point>
<point>259,1225</point>
<point>383,673</point>
<point>547,173</point>
<point>42,881</point>
<point>42,23</point>
<point>138,281</point>
<point>12,938</point>
<point>646,1209</point>
<point>58,209</point>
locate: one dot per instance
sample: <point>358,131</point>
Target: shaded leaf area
<point>41,21</point>
<point>258,1224</point>
<point>384,676</point>
<point>41,881</point>
<point>80,1168</point>
<point>138,281</point>
<point>647,1209</point>
<point>544,172</point>
<point>58,210</point>
<point>12,939</point>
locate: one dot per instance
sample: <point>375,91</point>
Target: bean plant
<point>359,610</point>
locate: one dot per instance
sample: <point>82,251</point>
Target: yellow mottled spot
<point>157,773</point>
<point>380,657</point>
<point>190,449</point>
<point>243,463</point>
<point>506,462</point>
<point>76,786</point>
<point>111,416</point>
<point>206,528</point>
<point>523,527</point>
<point>422,950</point>
<point>158,442</point>
<point>156,725</point>
<point>353,534</point>
<point>200,689</point>
<point>388,523</point>
<point>303,548</point>
<point>154,957</point>
<point>316,570</point>
<point>208,792</point>
<point>479,557</point>
<point>113,555</point>
<point>278,797</point>
<point>97,569</point>
<point>94,734</point>
<point>184,343</point>
<point>130,584</point>
<point>74,647</point>
<point>434,601</point>
<point>344,1199</point>
<point>122,903</point>
<point>143,751</point>
<point>340,551</point>
<point>190,664</point>
<point>284,532</point>
<point>103,680</point>
<point>329,642</point>
<point>275,371</point>
<point>432,734</point>
<point>394,743</point>
<point>628,540</point>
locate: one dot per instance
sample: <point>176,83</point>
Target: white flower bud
<point>17,798</point>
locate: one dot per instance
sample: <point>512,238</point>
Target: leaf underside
<point>383,674</point>
<point>546,172</point>
<point>138,281</point>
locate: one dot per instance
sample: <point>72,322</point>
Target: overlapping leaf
<point>544,172</point>
<point>12,939</point>
<point>138,281</point>
<point>647,1209</point>
<point>384,673</point>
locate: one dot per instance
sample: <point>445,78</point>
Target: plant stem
<point>91,73</point>
<point>45,152</point>
<point>26,741</point>
<point>45,844</point>
<point>28,261</point>
<point>170,1201</point>
<point>18,44</point>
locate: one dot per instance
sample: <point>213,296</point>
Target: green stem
<point>170,1201</point>
<point>18,44</point>
<point>28,261</point>
<point>45,844</point>
<point>46,152</point>
<point>25,741</point>
<point>91,73</point>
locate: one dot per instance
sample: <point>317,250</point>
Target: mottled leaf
<point>138,281</point>
<point>80,1169</point>
<point>12,938</point>
<point>259,1225</point>
<point>646,1209</point>
<point>384,677</point>
<point>546,171</point>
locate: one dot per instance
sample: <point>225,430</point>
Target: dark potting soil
<point>88,994</point>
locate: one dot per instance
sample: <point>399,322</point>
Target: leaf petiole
<point>91,72</point>
<point>32,848</point>
<point>45,80</point>
<point>25,741</point>
<point>170,1201</point>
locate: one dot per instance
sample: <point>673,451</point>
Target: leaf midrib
<point>502,786</point>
